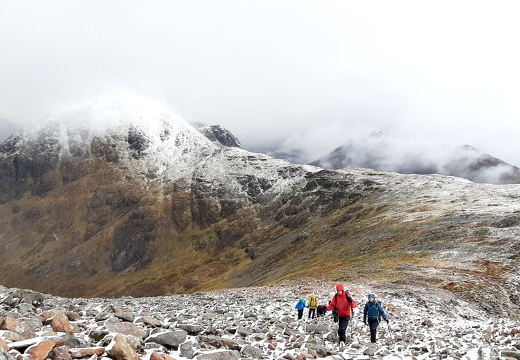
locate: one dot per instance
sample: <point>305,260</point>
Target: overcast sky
<point>310,73</point>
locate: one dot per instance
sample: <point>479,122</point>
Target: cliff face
<point>114,198</point>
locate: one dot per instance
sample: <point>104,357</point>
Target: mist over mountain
<point>7,128</point>
<point>119,196</point>
<point>378,151</point>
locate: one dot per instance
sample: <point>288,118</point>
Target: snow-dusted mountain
<point>218,134</point>
<point>378,151</point>
<point>120,196</point>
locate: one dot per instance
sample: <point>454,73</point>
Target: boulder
<point>251,351</point>
<point>86,352</point>
<point>60,323</point>
<point>105,313</point>
<point>160,356</point>
<point>39,351</point>
<point>5,355</point>
<point>119,349</point>
<point>170,339</point>
<point>219,355</point>
<point>126,329</point>
<point>187,350</point>
<point>25,329</point>
<point>148,320</point>
<point>59,353</point>
<point>191,329</point>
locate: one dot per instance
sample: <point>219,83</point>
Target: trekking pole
<point>352,320</point>
<point>390,335</point>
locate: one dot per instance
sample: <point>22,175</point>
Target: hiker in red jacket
<point>344,303</point>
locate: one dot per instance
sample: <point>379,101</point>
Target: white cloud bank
<point>313,73</point>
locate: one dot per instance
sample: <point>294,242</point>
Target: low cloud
<point>418,157</point>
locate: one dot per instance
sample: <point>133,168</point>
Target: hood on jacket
<point>371,296</point>
<point>340,287</point>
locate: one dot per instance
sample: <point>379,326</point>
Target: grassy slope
<point>62,242</point>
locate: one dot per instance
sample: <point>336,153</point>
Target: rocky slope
<point>218,134</point>
<point>380,152</point>
<point>119,196</point>
<point>254,323</point>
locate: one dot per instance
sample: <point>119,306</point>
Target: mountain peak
<point>218,135</point>
<point>121,127</point>
<point>379,134</point>
<point>115,109</point>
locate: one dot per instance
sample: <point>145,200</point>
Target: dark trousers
<point>300,314</point>
<point>343,324</point>
<point>373,323</point>
<point>312,313</point>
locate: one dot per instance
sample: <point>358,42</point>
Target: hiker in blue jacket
<point>300,305</point>
<point>373,312</point>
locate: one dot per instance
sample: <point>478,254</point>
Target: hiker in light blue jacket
<point>300,305</point>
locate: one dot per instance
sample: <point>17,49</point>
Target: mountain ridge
<point>160,210</point>
<point>379,151</point>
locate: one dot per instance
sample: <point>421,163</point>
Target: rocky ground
<point>258,323</point>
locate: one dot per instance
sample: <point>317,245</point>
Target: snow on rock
<point>156,139</point>
<point>261,322</point>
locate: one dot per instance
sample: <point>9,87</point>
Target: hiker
<point>343,303</point>
<point>321,310</point>
<point>313,304</point>
<point>373,312</point>
<point>300,305</point>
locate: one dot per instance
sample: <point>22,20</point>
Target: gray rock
<point>11,301</point>
<point>170,339</point>
<point>105,313</point>
<point>370,351</point>
<point>249,314</point>
<point>208,316</point>
<point>244,331</point>
<point>59,353</point>
<point>127,329</point>
<point>251,351</point>
<point>35,298</point>
<point>220,355</point>
<point>510,353</point>
<point>219,342</point>
<point>25,308</point>
<point>4,355</point>
<point>152,345</point>
<point>191,328</point>
<point>187,350</point>
<point>97,335</point>
<point>126,316</point>
<point>75,341</point>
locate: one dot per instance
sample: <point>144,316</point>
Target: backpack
<point>301,304</point>
<point>379,316</point>
<point>378,303</point>
<point>313,302</point>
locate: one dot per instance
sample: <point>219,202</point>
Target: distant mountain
<point>380,152</point>
<point>7,128</point>
<point>295,155</point>
<point>119,196</point>
<point>218,134</point>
